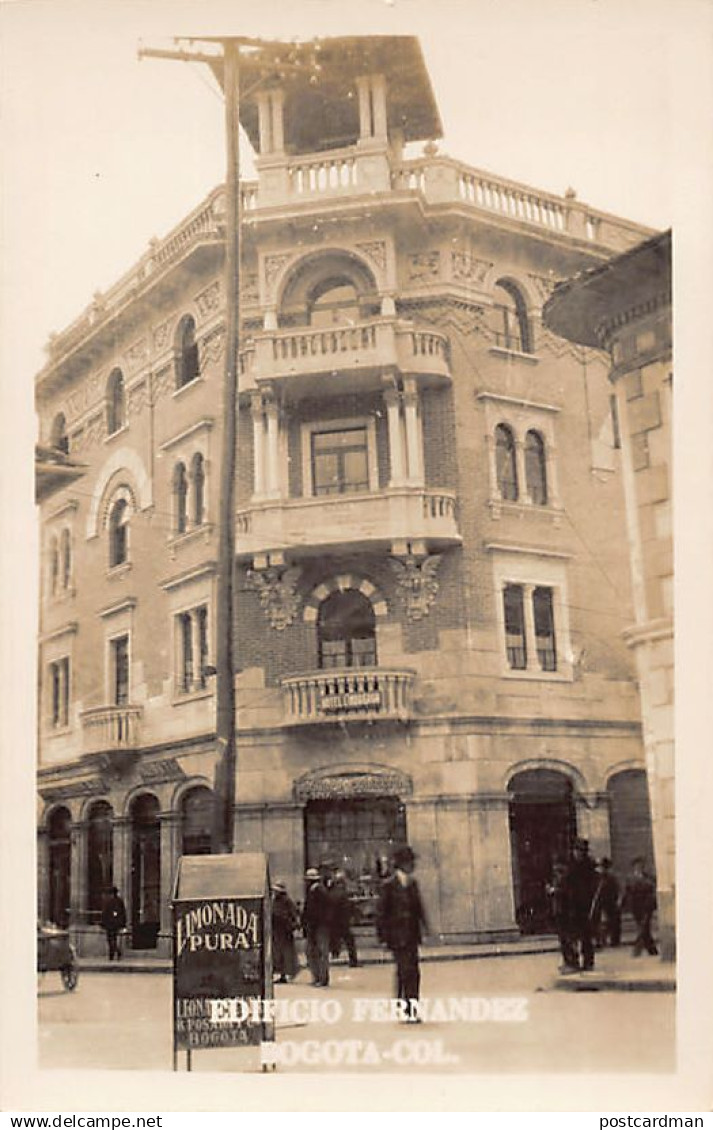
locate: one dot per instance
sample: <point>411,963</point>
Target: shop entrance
<point>543,825</point>
<point>356,836</point>
<point>145,872</point>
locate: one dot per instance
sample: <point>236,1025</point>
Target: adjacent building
<point>432,568</point>
<point>625,308</point>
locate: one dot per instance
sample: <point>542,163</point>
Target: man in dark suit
<point>580,884</point>
<point>399,920</point>
<point>113,921</point>
<point>316,924</point>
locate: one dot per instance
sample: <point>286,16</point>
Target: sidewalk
<point>368,955</point>
<point>616,969</point>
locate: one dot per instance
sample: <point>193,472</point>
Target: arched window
<point>197,820</point>
<point>511,324</point>
<point>66,558</point>
<point>536,468</point>
<point>334,302</point>
<point>506,463</point>
<point>187,366</point>
<point>198,476</point>
<point>58,435</point>
<point>100,855</point>
<point>180,495</point>
<point>54,566</point>
<point>115,402</point>
<point>346,632</point>
<point>119,533</point>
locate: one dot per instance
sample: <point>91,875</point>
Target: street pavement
<point>124,1022</point>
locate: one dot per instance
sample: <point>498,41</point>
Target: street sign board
<point>222,951</point>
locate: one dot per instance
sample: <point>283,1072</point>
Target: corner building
<point>432,570</point>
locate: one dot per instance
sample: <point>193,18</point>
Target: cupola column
<point>372,108</point>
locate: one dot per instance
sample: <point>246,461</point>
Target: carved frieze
<point>210,348</point>
<point>424,266</point>
<point>417,583</point>
<point>276,590</point>
<point>249,289</point>
<point>138,398</point>
<point>136,355</point>
<point>274,264</point>
<point>208,301</point>
<point>374,249</point>
<point>161,335</point>
<point>163,382</point>
<point>543,285</point>
<point>468,268</point>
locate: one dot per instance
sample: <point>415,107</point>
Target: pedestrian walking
<point>606,910</point>
<point>640,899</point>
<point>560,912</point>
<point>285,920</point>
<point>316,925</point>
<point>342,914</point>
<point>580,888</point>
<point>113,921</point>
<point>400,920</point>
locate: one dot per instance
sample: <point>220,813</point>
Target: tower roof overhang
<point>318,78</point>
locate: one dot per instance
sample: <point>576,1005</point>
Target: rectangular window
<point>185,681</point>
<point>515,641</point>
<point>192,644</point>
<point>340,461</point>
<point>544,628</point>
<point>616,433</point>
<point>120,670</point>
<point>59,691</point>
<point>333,653</point>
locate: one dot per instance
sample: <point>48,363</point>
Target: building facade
<point>626,309</point>
<point>431,567</point>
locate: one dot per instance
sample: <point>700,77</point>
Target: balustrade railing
<point>510,200</point>
<point>325,173</point>
<point>108,728</point>
<point>323,342</point>
<point>348,693</point>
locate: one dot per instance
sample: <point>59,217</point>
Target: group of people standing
<point>587,904</point>
<point>325,920</point>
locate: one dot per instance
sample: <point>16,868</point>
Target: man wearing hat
<point>316,923</point>
<point>399,920</point>
<point>606,913</point>
<point>284,923</point>
<point>580,885</point>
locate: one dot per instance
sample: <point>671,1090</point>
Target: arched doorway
<point>630,831</point>
<point>59,827</point>
<point>357,835</point>
<point>196,821</point>
<point>100,857</point>
<point>145,871</point>
<point>543,824</point>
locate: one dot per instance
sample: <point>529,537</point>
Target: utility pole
<point>273,53</point>
<point>226,768</point>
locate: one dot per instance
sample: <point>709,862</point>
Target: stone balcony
<point>107,729</point>
<point>378,521</point>
<point>361,694</point>
<point>298,359</point>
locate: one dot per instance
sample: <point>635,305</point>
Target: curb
<point>379,958</point>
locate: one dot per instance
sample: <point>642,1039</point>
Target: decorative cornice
<point>204,424</point>
<point>205,570</point>
<point>518,402</point>
<point>651,632</point>
<point>70,629</point>
<point>126,605</point>
<point>607,327</point>
<point>525,550</point>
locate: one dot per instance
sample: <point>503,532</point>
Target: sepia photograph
<point>345,346</point>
